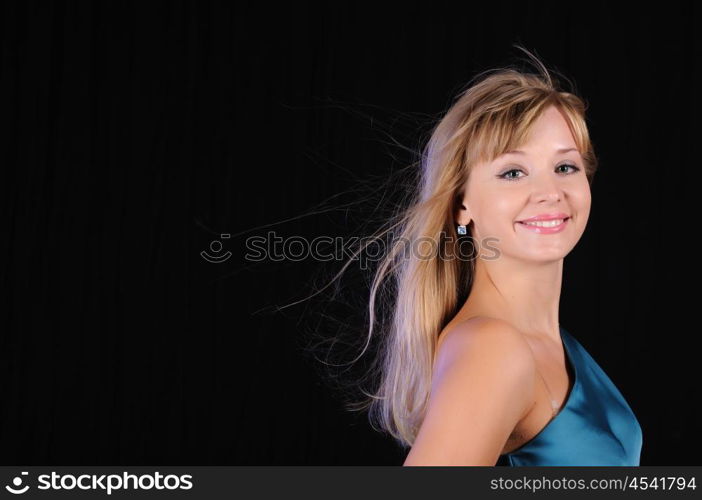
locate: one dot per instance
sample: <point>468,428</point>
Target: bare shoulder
<point>482,337</point>
<point>482,386</point>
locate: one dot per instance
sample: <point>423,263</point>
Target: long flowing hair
<point>417,295</point>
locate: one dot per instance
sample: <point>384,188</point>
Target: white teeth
<point>545,223</point>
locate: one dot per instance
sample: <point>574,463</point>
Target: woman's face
<point>540,181</point>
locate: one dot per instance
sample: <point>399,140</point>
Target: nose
<point>545,188</point>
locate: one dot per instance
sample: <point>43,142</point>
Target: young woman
<point>475,364</point>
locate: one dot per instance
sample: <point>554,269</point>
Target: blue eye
<point>575,169</point>
<point>507,177</point>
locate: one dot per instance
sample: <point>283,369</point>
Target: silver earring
<point>462,229</point>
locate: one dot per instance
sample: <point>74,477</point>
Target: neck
<point>527,296</point>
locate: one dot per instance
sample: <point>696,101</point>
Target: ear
<point>462,212</point>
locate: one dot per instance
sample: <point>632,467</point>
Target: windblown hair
<point>490,117</point>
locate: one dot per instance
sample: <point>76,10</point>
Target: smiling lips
<point>546,223</point>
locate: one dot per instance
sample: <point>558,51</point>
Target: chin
<point>545,254</point>
<point>551,254</point>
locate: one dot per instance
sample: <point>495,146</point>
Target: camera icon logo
<point>17,482</point>
<point>216,248</point>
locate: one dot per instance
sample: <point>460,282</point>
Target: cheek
<point>497,217</point>
<point>580,201</point>
<point>583,198</point>
<point>505,211</point>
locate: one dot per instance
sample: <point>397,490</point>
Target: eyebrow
<point>558,151</point>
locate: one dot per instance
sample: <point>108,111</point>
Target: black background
<point>136,133</point>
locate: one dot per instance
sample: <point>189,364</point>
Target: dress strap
<point>554,403</point>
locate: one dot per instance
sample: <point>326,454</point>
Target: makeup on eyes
<point>503,174</point>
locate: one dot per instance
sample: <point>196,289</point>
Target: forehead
<point>557,151</point>
<point>550,126</point>
<point>549,134</point>
<point>537,136</point>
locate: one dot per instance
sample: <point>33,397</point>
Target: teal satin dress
<point>595,426</point>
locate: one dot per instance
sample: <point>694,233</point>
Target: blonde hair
<point>492,116</point>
